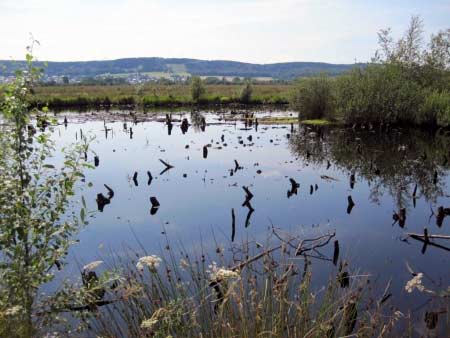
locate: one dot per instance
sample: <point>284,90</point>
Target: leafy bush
<point>246,92</point>
<point>401,85</point>
<point>377,94</point>
<point>197,89</point>
<point>313,98</point>
<point>436,108</point>
<point>36,198</point>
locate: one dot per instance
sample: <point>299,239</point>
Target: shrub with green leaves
<point>313,98</point>
<point>35,197</point>
<point>197,89</point>
<point>436,108</point>
<point>377,94</point>
<point>246,92</point>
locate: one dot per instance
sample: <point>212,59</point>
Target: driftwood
<point>410,234</point>
<point>426,240</point>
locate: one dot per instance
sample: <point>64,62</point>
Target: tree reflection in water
<point>407,163</point>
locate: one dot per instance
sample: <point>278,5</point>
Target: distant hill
<point>287,70</point>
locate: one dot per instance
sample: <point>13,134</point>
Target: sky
<point>258,31</point>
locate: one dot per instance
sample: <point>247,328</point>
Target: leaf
<point>83,201</point>
<point>82,215</point>
<point>49,166</point>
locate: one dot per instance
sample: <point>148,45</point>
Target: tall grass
<point>254,290</point>
<point>154,95</point>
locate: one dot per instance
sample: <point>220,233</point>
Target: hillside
<point>289,70</point>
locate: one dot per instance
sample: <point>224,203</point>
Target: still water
<point>377,170</point>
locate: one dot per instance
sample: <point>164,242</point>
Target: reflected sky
<point>197,195</point>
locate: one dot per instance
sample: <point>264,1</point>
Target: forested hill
<point>288,70</point>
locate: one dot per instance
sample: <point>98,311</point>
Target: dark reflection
<point>249,214</point>
<point>135,181</point>
<point>198,121</point>
<point>102,200</point>
<point>441,214</point>
<point>350,204</point>
<point>184,126</point>
<point>150,178</point>
<point>155,205</point>
<point>294,188</point>
<point>408,163</point>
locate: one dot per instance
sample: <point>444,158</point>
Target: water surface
<point>378,169</point>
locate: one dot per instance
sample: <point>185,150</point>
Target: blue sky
<point>263,31</point>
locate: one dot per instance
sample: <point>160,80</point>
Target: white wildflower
<point>12,311</point>
<point>92,266</point>
<point>150,261</point>
<point>415,283</point>
<point>216,273</point>
<point>149,323</point>
<point>183,264</point>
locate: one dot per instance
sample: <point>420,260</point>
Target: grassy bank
<point>154,95</point>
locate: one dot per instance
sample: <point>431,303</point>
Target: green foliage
<point>436,108</point>
<point>313,98</point>
<point>377,94</point>
<point>35,195</point>
<point>197,89</point>
<point>246,92</point>
<point>406,84</point>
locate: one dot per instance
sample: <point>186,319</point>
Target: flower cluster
<point>415,283</point>
<point>218,274</point>
<point>92,266</point>
<point>152,262</point>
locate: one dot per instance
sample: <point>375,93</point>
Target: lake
<point>370,186</point>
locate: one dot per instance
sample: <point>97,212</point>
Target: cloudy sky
<point>262,31</point>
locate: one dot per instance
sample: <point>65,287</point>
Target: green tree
<point>197,89</point>
<point>35,196</point>
<point>246,92</point>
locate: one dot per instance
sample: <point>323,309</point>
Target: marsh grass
<point>246,290</point>
<point>73,96</point>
